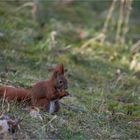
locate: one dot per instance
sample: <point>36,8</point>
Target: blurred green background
<point>98,42</point>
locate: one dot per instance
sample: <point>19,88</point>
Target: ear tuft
<point>59,69</point>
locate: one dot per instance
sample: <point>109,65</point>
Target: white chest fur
<point>52,107</point>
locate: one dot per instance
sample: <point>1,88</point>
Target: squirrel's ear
<point>55,74</point>
<point>60,69</point>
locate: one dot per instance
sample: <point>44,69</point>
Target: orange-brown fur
<point>42,93</point>
<point>13,93</point>
<point>45,92</point>
<point>44,104</point>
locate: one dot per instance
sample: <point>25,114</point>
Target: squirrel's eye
<point>60,82</point>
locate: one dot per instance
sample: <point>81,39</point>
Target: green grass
<point>93,84</point>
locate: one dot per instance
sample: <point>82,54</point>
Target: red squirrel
<point>13,93</point>
<point>47,93</point>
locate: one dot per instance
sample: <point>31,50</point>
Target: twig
<point>92,40</point>
<point>135,47</point>
<point>111,9</point>
<point>3,100</point>
<point>52,42</point>
<point>120,21</point>
<point>54,117</point>
<point>31,4</point>
<point>8,106</point>
<point>122,28</point>
<point>128,11</point>
<point>34,8</point>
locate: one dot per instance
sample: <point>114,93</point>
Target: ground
<point>104,91</point>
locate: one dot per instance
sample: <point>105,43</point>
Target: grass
<point>112,105</point>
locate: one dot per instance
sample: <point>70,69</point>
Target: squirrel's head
<point>59,77</point>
